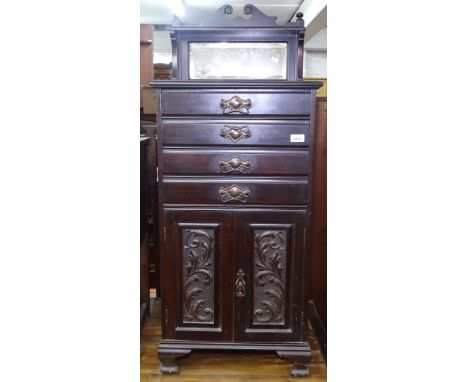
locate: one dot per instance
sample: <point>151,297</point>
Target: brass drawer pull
<point>234,194</point>
<point>235,165</point>
<point>235,104</point>
<point>235,133</point>
<point>240,283</point>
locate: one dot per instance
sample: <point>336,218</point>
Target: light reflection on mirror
<point>238,60</point>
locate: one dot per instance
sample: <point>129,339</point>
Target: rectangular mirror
<point>238,60</point>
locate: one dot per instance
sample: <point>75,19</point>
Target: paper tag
<point>297,138</point>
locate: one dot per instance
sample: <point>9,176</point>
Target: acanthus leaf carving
<point>198,276</point>
<point>270,261</point>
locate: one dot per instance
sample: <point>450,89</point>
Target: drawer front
<point>234,191</point>
<point>230,162</point>
<point>235,104</point>
<point>235,134</point>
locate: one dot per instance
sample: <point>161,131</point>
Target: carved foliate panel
<point>198,273</point>
<point>270,251</point>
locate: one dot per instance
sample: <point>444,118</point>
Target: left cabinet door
<point>196,267</point>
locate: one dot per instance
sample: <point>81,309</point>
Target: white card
<point>297,138</point>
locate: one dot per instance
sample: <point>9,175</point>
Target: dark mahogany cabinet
<point>235,155</point>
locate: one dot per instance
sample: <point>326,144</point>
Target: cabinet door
<point>196,265</point>
<point>269,266</point>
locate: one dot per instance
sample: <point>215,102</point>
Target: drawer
<point>236,134</point>
<point>180,103</point>
<point>235,162</point>
<point>234,191</point>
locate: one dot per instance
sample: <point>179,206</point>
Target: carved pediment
<point>253,18</point>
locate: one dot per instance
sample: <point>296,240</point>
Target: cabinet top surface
<point>236,84</point>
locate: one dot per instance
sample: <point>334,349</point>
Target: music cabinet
<point>235,138</point>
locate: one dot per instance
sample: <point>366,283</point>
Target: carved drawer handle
<point>235,165</point>
<point>235,104</point>
<point>235,133</point>
<point>240,283</point>
<point>234,194</point>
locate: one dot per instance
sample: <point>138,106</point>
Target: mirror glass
<point>238,60</point>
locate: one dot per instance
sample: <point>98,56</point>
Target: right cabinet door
<point>269,275</point>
